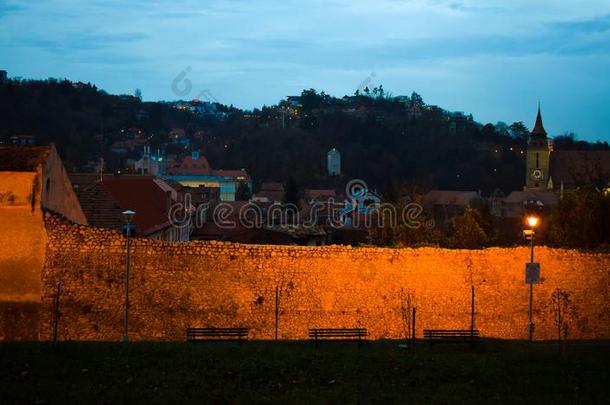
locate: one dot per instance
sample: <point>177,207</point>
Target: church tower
<point>538,158</point>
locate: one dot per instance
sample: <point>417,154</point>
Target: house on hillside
<point>270,192</point>
<point>23,140</point>
<point>293,101</point>
<point>195,171</point>
<point>178,136</point>
<point>149,163</point>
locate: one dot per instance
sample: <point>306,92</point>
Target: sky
<point>495,59</point>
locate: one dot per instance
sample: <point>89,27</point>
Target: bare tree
<point>407,303</point>
<point>563,310</point>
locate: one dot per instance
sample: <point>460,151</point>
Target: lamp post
<point>532,222</point>
<point>128,217</point>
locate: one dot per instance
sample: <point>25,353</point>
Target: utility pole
<point>128,215</point>
<point>56,313</point>
<point>472,311</point>
<point>277,309</point>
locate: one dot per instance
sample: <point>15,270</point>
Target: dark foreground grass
<point>300,372</point>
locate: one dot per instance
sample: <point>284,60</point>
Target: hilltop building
<point>333,162</point>
<point>549,170</point>
<point>195,171</point>
<point>149,163</point>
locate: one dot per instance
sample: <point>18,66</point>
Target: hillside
<point>394,143</point>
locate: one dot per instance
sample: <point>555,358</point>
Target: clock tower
<point>538,158</point>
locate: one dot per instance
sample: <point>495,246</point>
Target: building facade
<point>333,162</point>
<point>538,159</point>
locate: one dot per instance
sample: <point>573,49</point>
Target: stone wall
<point>174,286</point>
<point>22,251</point>
<point>57,194</point>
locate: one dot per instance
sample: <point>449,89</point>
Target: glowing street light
<point>532,221</point>
<point>128,218</point>
<point>532,270</point>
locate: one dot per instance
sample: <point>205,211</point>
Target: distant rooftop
<point>103,202</point>
<point>449,197</point>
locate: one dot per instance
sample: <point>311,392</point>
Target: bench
<point>451,335</point>
<point>338,334</point>
<point>199,334</point>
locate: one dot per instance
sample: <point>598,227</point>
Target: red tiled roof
<point>103,202</point>
<point>142,195</point>
<point>23,158</point>
<point>538,127</point>
<point>99,207</point>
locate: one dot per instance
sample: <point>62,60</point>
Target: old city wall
<point>174,286</point>
<point>22,250</point>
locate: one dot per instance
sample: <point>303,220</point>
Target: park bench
<point>216,334</point>
<point>338,334</point>
<point>451,335</point>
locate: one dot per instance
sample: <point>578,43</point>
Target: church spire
<point>538,127</point>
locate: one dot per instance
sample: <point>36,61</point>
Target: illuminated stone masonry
<point>174,286</point>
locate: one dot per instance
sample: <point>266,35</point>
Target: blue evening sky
<point>492,58</point>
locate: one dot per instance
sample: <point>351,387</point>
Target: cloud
<point>10,8</point>
<point>253,52</point>
<point>591,25</point>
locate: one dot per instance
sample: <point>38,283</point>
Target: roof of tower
<point>539,127</point>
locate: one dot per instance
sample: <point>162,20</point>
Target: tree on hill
<point>467,231</point>
<point>417,100</point>
<point>519,132</point>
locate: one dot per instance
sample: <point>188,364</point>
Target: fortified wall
<point>22,252</point>
<point>174,286</point>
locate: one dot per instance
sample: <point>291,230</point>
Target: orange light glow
<point>532,221</point>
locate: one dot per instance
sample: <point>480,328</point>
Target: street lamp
<point>532,221</point>
<point>532,270</point>
<point>128,218</point>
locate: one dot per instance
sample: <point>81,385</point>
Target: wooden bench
<point>338,334</point>
<point>199,334</point>
<point>451,335</point>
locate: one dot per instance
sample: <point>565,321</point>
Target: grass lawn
<point>299,372</point>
